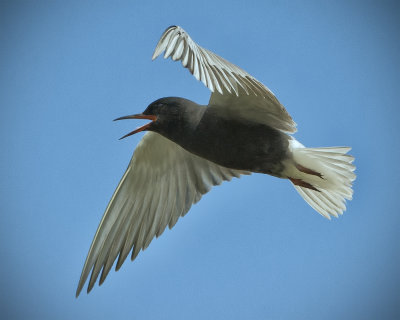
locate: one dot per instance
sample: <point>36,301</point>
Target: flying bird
<point>190,147</point>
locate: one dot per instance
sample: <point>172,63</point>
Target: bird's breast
<point>237,144</point>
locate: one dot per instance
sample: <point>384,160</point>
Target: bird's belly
<point>259,150</point>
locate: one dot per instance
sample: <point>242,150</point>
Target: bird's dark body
<point>216,135</point>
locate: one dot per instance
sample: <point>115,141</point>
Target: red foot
<point>301,183</point>
<point>308,171</point>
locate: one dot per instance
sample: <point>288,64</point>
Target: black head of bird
<point>169,116</point>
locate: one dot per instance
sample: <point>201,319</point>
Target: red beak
<point>138,116</point>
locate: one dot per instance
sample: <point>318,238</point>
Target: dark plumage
<point>219,136</point>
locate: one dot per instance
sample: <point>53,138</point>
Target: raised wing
<point>161,183</point>
<point>231,85</point>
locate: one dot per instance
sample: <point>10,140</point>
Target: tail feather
<point>329,191</point>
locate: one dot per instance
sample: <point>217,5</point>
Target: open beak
<point>138,116</point>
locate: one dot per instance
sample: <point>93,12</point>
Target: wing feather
<point>232,87</point>
<point>161,183</point>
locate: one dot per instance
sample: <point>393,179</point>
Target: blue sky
<point>251,248</point>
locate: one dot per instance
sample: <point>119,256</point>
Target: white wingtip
<point>163,42</point>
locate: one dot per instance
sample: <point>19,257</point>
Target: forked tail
<point>322,176</point>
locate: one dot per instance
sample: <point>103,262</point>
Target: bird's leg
<point>301,183</point>
<point>308,171</point>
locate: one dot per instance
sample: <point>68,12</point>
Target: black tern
<point>190,148</point>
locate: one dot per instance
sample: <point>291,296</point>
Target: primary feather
<point>160,184</point>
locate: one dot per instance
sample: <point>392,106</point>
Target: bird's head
<point>163,113</point>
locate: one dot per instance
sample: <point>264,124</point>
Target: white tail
<point>322,176</point>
